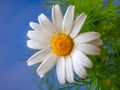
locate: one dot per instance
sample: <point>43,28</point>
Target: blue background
<point>15,16</point>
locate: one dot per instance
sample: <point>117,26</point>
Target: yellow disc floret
<point>62,44</point>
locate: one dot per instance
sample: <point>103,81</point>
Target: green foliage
<point>103,17</point>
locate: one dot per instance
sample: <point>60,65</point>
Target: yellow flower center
<point>62,44</point>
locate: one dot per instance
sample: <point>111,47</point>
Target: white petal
<point>41,76</point>
<point>39,56</point>
<point>97,42</point>
<point>36,45</point>
<point>39,36</point>
<point>69,70</point>
<point>87,37</point>
<point>68,20</point>
<point>77,25</point>
<point>35,26</point>
<point>57,17</point>
<point>88,49</point>
<point>83,59</point>
<point>47,65</point>
<point>61,70</point>
<point>78,67</point>
<point>47,25</point>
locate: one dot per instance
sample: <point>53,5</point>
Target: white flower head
<point>59,42</point>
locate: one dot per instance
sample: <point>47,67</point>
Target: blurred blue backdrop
<point>15,16</point>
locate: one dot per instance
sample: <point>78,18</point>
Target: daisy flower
<point>59,42</point>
